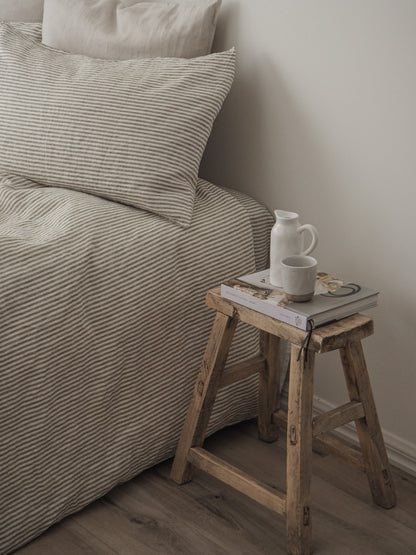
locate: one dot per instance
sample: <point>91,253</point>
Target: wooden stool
<point>302,429</point>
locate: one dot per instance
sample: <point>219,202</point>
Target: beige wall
<point>322,120</point>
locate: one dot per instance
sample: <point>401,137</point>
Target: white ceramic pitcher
<point>287,240</point>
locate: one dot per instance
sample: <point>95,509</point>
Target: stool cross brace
<point>303,431</point>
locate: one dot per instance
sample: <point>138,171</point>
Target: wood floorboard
<point>67,538</point>
<point>152,515</point>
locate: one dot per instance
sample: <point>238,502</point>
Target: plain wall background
<point>321,120</point>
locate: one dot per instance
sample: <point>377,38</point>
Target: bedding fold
<point>103,330</point>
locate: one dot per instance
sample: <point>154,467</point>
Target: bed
<point>103,327</point>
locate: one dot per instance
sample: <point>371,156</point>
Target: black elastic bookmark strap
<point>306,341</point>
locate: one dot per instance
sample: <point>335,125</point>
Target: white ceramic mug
<point>287,238</point>
<point>299,277</point>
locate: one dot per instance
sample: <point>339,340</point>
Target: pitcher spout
<point>285,215</point>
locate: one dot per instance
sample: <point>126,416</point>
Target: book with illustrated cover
<point>334,299</point>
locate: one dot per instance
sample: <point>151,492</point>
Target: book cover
<point>334,299</point>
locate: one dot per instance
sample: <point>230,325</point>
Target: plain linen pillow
<point>21,10</point>
<point>132,131</point>
<point>122,30</point>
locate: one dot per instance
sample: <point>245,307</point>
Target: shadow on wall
<point>264,141</point>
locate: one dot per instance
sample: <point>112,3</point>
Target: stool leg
<point>299,453</point>
<point>205,391</point>
<point>368,428</point>
<point>269,387</point>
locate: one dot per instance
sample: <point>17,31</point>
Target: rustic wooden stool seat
<point>303,431</point>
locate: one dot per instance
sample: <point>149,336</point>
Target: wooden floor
<point>152,515</point>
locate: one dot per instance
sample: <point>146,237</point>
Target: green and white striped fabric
<point>132,131</point>
<point>33,30</point>
<point>103,328</point>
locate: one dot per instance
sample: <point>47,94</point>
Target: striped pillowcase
<point>131,131</point>
<point>33,30</point>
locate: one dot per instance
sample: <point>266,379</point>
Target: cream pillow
<point>119,30</point>
<point>131,131</point>
<point>21,10</point>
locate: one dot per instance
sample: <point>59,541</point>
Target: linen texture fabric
<point>132,131</point>
<point>21,10</point>
<point>103,329</point>
<point>33,30</point>
<point>121,30</point>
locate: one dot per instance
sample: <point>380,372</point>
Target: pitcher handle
<point>314,232</point>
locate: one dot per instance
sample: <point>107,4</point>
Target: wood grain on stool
<point>303,431</point>
<point>269,387</point>
<point>368,427</point>
<point>324,339</point>
<point>205,391</point>
<point>299,452</point>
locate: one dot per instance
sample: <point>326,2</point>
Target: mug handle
<point>314,232</point>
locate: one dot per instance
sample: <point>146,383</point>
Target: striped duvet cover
<point>103,326</point>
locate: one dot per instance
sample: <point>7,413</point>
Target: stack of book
<point>333,299</point>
